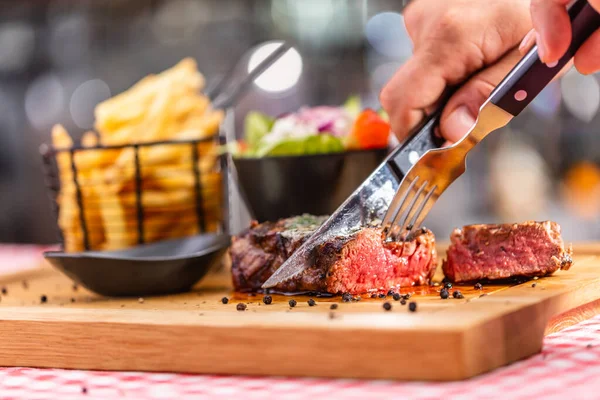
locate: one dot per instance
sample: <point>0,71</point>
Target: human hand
<point>552,33</point>
<point>452,40</point>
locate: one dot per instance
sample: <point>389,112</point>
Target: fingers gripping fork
<point>438,167</point>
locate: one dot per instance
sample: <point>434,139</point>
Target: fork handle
<point>530,76</point>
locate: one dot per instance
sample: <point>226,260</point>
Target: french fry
<point>171,180</point>
<point>90,194</point>
<point>89,139</point>
<point>133,104</point>
<point>123,169</point>
<point>69,217</point>
<point>115,223</point>
<point>165,107</point>
<point>62,140</point>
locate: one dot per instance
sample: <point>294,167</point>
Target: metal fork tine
<point>399,197</point>
<point>408,199</point>
<point>418,216</point>
<point>405,212</point>
<point>392,210</point>
<point>411,208</point>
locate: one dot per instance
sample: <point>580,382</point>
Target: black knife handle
<point>421,140</point>
<point>527,79</point>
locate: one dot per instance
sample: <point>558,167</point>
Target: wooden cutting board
<point>194,332</point>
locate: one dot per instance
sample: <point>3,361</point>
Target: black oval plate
<point>166,267</point>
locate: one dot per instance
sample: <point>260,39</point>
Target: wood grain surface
<point>195,332</point>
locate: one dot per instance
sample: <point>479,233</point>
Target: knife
<point>421,166</point>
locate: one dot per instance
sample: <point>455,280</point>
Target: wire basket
<point>114,197</point>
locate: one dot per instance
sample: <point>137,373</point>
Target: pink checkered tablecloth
<point>569,367</point>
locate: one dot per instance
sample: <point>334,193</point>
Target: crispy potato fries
<point>169,106</point>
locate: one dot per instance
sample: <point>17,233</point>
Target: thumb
<point>461,111</point>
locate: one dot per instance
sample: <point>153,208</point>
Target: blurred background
<point>58,59</point>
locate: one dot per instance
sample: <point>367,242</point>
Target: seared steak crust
<point>354,264</point>
<point>479,252</point>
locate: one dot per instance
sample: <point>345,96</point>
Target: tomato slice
<point>370,131</point>
<point>242,145</point>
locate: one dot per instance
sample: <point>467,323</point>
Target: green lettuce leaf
<point>256,125</point>
<point>314,144</point>
<point>383,115</point>
<point>353,106</point>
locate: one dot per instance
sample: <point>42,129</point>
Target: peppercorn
<point>382,295</point>
<point>403,302</point>
<point>4,291</point>
<point>84,390</point>
<point>292,303</point>
<point>387,306</point>
<point>478,286</point>
<point>444,293</point>
<point>374,296</point>
<point>43,298</point>
<point>267,299</point>
<point>333,306</point>
<point>589,346</point>
<point>224,300</point>
<point>390,292</point>
<point>311,302</point>
<point>72,300</point>
<point>457,294</point>
<point>448,285</point>
<point>241,307</point>
<point>346,297</point>
<point>412,306</point>
<point>75,287</point>
<point>406,296</point>
<point>396,296</point>
<point>533,284</point>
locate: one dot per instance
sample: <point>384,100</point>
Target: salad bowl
<point>308,161</point>
<point>282,186</point>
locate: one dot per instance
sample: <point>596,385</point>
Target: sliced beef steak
<point>260,250</point>
<point>479,252</point>
<point>354,264</point>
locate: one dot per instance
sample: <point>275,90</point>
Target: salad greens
<point>353,106</point>
<point>315,144</point>
<point>312,130</point>
<point>257,125</point>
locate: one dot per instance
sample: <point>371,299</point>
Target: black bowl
<point>280,187</point>
<point>170,266</point>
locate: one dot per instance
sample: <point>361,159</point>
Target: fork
<point>437,168</point>
<point>433,173</point>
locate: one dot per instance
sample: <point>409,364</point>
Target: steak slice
<point>529,249</point>
<point>355,264</point>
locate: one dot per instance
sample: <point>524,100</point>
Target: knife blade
<point>370,202</point>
